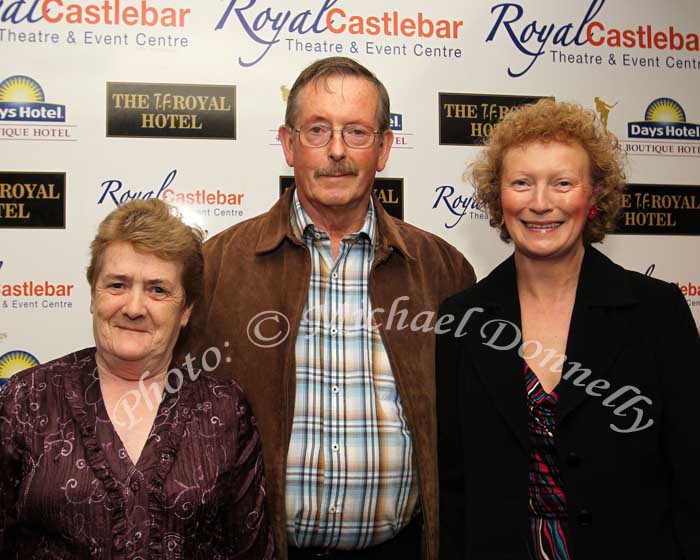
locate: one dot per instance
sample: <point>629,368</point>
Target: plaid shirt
<point>350,474</point>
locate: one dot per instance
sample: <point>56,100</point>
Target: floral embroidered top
<point>68,488</point>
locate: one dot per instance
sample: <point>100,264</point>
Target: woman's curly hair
<point>553,121</point>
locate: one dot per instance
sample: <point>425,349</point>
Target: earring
<point>592,213</point>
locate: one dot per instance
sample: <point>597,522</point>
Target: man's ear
<point>287,140</point>
<point>387,141</point>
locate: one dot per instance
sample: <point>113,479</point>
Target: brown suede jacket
<point>256,279</point>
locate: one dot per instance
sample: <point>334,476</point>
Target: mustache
<point>336,168</point>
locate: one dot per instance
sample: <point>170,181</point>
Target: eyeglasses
<point>354,135</point>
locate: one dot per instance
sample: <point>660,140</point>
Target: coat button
<point>573,459</point>
<point>585,518</point>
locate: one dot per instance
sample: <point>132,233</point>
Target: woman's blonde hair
<point>155,228</point>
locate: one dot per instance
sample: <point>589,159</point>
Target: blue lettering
<point>297,25</point>
<point>509,14</point>
<point>458,206</point>
<point>592,12</point>
<point>255,25</point>
<point>12,12</point>
<point>113,186</point>
<point>561,35</point>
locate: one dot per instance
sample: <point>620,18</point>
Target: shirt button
<point>331,509</point>
<point>335,447</point>
<point>135,486</point>
<point>335,389</point>
<point>334,275</point>
<point>334,331</point>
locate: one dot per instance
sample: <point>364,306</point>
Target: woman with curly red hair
<point>566,412</point>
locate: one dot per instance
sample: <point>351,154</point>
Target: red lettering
<point>589,33</point>
<point>45,11</point>
<point>329,20</point>
<point>676,40</point>
<point>147,11</point>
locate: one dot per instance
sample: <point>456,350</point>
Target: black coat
<point>629,495</point>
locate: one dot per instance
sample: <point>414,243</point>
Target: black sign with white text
<point>32,200</point>
<point>660,210</point>
<point>388,190</point>
<point>467,118</point>
<point>171,110</point>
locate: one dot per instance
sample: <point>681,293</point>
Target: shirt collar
<point>302,225</point>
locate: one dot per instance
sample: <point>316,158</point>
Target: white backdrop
<point>72,49</point>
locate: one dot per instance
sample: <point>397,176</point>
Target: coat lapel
<point>501,368</point>
<point>597,333</point>
<point>598,329</point>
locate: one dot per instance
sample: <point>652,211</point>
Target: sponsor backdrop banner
<point>104,102</point>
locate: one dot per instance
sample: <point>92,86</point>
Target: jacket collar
<point>601,283</point>
<point>276,226</point>
<point>596,334</point>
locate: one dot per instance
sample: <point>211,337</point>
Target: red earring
<point>592,213</point>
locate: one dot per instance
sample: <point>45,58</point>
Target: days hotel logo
<point>22,99</point>
<point>13,362</point>
<point>26,115</point>
<point>664,119</point>
<point>664,132</point>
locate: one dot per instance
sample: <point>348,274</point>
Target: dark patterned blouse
<point>547,504</point>
<point>68,488</point>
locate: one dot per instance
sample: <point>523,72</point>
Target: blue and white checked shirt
<point>350,467</point>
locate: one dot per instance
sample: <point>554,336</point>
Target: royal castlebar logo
<point>585,38</point>
<point>327,29</point>
<point>68,22</point>
<point>21,294</point>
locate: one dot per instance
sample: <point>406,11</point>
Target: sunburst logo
<point>664,119</point>
<point>21,89</point>
<point>23,99</point>
<point>14,362</point>
<point>665,110</point>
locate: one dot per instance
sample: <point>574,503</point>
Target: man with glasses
<point>325,305</point>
